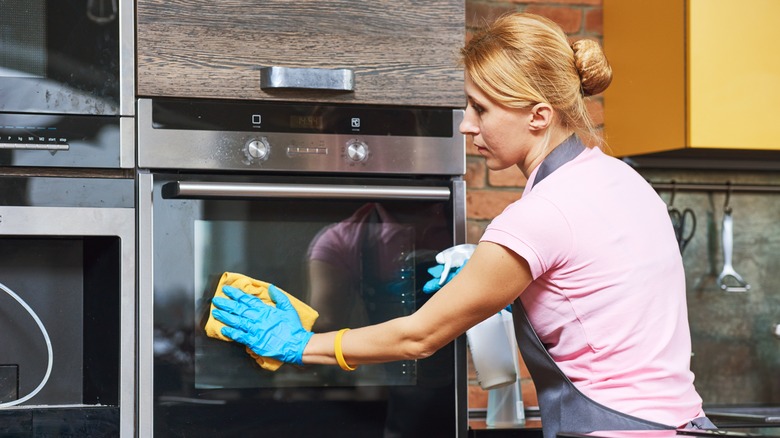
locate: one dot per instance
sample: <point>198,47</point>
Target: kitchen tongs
<point>728,272</point>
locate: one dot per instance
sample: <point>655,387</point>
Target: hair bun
<point>592,65</point>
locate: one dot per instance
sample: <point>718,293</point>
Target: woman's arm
<point>493,278</point>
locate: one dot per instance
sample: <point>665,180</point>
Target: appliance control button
<point>257,149</point>
<point>357,150</point>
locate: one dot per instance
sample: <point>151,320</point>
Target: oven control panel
<point>257,149</point>
<point>56,140</point>
<point>282,137</point>
<point>357,150</point>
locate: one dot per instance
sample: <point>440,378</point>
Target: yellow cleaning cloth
<point>259,289</point>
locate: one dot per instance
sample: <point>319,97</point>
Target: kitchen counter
<point>478,428</point>
<point>733,421</point>
<point>680,433</point>
<point>741,415</point>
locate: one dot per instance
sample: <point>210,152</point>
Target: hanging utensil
<point>728,272</point>
<point>683,222</point>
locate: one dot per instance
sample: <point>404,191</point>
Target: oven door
<point>66,57</point>
<point>357,251</point>
<point>67,307</point>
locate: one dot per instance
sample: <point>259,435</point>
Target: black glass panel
<point>300,118</point>
<point>59,56</point>
<point>72,286</point>
<point>67,192</point>
<point>57,140</point>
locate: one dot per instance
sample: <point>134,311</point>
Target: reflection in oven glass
<point>364,269</point>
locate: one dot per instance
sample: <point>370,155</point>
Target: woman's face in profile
<point>500,134</point>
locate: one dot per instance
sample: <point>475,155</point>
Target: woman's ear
<point>541,117</point>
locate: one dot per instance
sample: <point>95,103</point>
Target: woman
<point>587,256</point>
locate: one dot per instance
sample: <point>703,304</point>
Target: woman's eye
<point>477,108</point>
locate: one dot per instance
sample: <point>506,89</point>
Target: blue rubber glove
<point>450,259</point>
<point>435,284</point>
<point>268,331</point>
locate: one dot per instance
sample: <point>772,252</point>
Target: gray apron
<point>562,406</point>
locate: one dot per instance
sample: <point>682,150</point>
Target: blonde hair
<point>522,59</point>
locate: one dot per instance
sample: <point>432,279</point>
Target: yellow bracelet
<point>339,354</point>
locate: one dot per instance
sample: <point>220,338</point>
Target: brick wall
<point>489,192</point>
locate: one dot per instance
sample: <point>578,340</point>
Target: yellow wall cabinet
<point>342,51</point>
<point>692,74</point>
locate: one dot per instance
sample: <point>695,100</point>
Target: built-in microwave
<point>67,57</point>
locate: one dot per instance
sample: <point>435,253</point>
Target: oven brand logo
<point>257,119</point>
<point>356,122</point>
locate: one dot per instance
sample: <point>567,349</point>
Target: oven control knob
<point>357,150</point>
<point>257,149</point>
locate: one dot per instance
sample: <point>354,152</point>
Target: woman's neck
<point>547,143</point>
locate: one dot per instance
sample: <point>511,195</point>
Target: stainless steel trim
<point>126,57</point>
<point>126,143</point>
<point>460,235</point>
<point>189,189</point>
<point>84,221</point>
<point>460,232</point>
<point>145,306</point>
<point>36,146</point>
<point>276,77</point>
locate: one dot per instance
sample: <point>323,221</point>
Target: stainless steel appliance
<point>67,252</point>
<point>67,57</point>
<point>342,206</point>
<point>66,83</point>
<point>67,218</point>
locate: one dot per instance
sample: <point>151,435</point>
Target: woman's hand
<point>451,261</point>
<point>268,331</point>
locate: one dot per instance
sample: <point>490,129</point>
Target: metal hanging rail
<point>726,187</point>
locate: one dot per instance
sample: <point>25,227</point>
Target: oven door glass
<point>59,56</point>
<point>356,260</point>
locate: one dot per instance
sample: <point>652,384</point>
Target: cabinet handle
<point>307,78</point>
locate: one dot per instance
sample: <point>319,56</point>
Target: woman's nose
<point>467,126</point>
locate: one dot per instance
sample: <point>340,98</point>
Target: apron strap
<point>562,154</point>
<point>563,407</point>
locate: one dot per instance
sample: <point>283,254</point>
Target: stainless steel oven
<point>342,206</point>
<point>67,274</point>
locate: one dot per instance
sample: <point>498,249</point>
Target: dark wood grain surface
<point>402,52</point>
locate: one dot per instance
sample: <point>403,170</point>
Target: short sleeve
<point>534,228</point>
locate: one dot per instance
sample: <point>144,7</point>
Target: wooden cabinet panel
<point>401,52</point>
<point>691,74</point>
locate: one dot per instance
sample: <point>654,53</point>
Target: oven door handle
<point>195,190</point>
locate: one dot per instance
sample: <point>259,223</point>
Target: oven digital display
<point>306,122</point>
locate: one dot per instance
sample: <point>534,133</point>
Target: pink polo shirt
<point>608,291</point>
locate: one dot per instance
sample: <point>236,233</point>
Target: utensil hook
<point>726,206</point>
